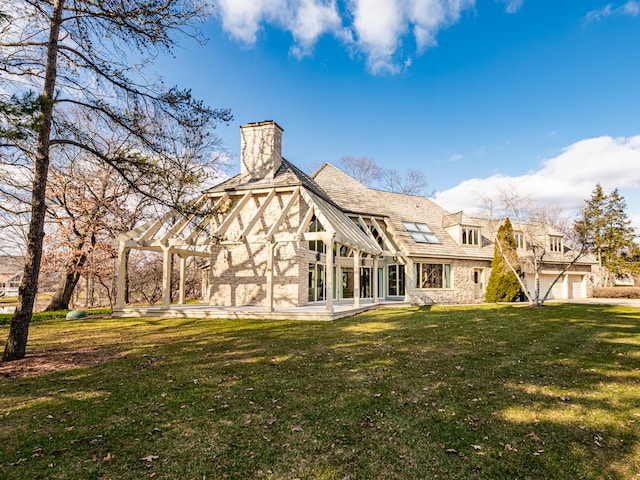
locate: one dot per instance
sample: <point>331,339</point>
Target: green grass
<point>5,318</point>
<point>490,392</point>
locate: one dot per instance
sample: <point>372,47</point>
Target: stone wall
<point>239,269</point>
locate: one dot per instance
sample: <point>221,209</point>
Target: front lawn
<point>489,392</point>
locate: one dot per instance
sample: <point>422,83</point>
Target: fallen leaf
<point>532,436</point>
<point>109,457</point>
<point>149,458</point>
<point>476,447</point>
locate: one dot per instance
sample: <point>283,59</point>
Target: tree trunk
<point>66,287</point>
<point>16,346</point>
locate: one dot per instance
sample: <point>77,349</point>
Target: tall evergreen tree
<point>503,285</point>
<point>606,223</point>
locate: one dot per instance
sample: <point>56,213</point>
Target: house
<point>273,236</point>
<point>10,275</point>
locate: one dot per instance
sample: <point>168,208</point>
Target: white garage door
<point>577,286</point>
<point>556,291</point>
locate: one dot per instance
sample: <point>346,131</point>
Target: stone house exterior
<point>273,236</point>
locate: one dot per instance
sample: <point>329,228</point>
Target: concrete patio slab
<point>316,312</point>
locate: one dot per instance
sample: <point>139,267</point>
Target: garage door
<point>577,286</point>
<point>556,291</point>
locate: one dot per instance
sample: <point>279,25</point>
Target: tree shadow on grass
<point>441,393</point>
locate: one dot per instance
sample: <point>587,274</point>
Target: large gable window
<point>420,232</point>
<point>316,245</point>
<point>433,275</point>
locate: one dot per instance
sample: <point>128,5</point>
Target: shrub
<point>616,292</point>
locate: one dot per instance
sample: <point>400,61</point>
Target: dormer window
<point>555,244</point>
<point>470,236</point>
<point>420,232</point>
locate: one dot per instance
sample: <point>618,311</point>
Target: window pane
<point>431,275</point>
<point>392,279</point>
<point>447,276</point>
<point>418,237</point>
<point>410,226</point>
<point>431,238</point>
<point>423,227</point>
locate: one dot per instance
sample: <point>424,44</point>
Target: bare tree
<point>534,224</point>
<point>62,61</point>
<point>413,182</point>
<point>363,169</point>
<point>369,173</point>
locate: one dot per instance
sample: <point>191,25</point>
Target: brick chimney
<point>260,149</point>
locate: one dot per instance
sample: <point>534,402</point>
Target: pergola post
<point>375,280</point>
<point>329,275</point>
<point>121,276</point>
<point>356,278</point>
<point>270,246</point>
<point>166,277</point>
<point>183,279</point>
<point>409,279</point>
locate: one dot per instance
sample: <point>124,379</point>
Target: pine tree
<point>608,228</point>
<point>503,285</point>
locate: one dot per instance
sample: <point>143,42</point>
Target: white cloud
<point>307,20</point>
<point>512,6</point>
<point>375,28</point>
<point>631,8</point>
<point>312,20</point>
<point>565,180</point>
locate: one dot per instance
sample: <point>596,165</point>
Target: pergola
<point>208,218</point>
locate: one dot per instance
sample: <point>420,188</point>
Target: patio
<point>318,311</point>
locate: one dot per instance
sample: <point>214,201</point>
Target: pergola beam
<point>185,220</point>
<point>258,214</point>
<point>306,221</point>
<point>385,239</point>
<point>226,223</point>
<point>285,211</point>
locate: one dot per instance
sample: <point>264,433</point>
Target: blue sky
<point>541,96</point>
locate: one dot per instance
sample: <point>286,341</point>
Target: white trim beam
<point>285,211</point>
<point>258,214</point>
<point>226,223</point>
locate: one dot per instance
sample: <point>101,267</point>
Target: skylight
<point>420,232</point>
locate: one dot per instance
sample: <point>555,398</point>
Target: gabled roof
<point>395,208</point>
<point>287,175</point>
<point>355,197</point>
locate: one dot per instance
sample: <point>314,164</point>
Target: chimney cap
<point>259,124</point>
